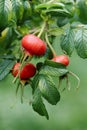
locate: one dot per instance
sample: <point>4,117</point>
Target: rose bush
<point>28,30</point>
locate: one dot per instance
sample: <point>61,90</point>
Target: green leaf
<point>5,56</point>
<point>67,41</point>
<point>62,21</point>
<point>27,9</point>
<point>35,82</point>
<point>54,64</point>
<point>22,30</point>
<point>5,68</point>
<point>58,12</point>
<point>82,6</point>
<point>47,88</point>
<point>55,5</point>
<point>5,12</point>
<point>18,9</point>
<point>38,104</point>
<point>6,37</point>
<point>81,42</point>
<point>50,5</point>
<point>15,48</point>
<point>39,65</point>
<point>69,5</point>
<point>53,71</point>
<point>56,31</point>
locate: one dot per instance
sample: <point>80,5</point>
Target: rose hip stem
<point>50,46</point>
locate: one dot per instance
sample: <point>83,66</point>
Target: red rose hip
<point>63,59</point>
<point>16,69</point>
<point>27,71</point>
<point>34,45</point>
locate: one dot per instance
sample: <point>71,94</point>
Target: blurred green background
<point>69,114</point>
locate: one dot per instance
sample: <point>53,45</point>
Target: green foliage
<point>43,84</point>
<point>27,10</point>
<point>81,42</point>
<point>82,6</point>
<point>5,68</point>
<point>5,38</point>
<point>75,39</point>
<point>18,9</point>
<point>38,104</point>
<point>67,41</point>
<point>5,13</point>
<point>62,21</point>
<point>47,20</point>
<point>13,12</point>
<point>48,89</point>
<point>53,69</point>
<point>24,16</point>
<point>45,87</point>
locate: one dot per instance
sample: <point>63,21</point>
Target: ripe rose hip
<point>63,59</point>
<point>34,45</point>
<point>27,71</point>
<point>16,69</point>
